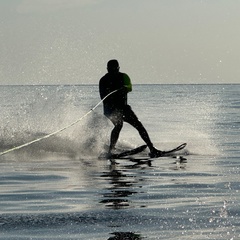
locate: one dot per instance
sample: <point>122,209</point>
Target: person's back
<point>117,100</point>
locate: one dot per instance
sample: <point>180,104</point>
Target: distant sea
<point>57,188</point>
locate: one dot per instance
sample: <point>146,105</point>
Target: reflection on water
<point>123,183</point>
<point>125,188</point>
<point>170,198</point>
<point>127,179</point>
<point>91,199</point>
<point>125,236</point>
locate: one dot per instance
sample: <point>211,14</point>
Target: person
<point>116,108</point>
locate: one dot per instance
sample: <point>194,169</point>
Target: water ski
<point>169,152</point>
<point>141,148</point>
<point>147,159</point>
<point>129,152</point>
<point>123,154</point>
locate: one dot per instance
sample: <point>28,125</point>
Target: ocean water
<point>57,188</point>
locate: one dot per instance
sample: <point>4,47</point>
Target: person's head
<point>113,66</point>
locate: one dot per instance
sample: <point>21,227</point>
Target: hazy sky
<point>155,41</point>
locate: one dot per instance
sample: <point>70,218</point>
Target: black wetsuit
<point>116,101</point>
<point>116,108</point>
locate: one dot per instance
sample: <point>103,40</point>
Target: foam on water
<point>48,111</point>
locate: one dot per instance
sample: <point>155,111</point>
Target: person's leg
<point>130,117</point>
<point>117,120</point>
<point>114,136</point>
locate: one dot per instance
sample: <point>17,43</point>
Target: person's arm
<point>127,82</point>
<point>102,89</point>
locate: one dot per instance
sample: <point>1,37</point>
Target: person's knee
<point>118,127</point>
<point>138,125</point>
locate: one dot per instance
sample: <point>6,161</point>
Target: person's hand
<point>124,89</point>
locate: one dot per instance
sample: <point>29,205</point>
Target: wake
<point>86,139</point>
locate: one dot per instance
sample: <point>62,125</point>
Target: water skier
<point>115,106</point>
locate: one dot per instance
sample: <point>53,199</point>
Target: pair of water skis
<point>129,154</point>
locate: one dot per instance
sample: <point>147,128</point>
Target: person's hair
<point>112,64</point>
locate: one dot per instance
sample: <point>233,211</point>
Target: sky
<point>155,41</point>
